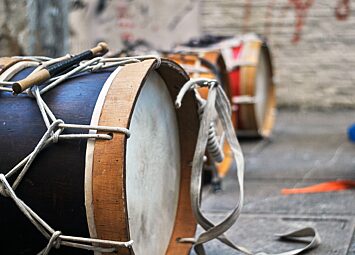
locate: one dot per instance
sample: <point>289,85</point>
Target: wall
<point>312,41</point>
<point>160,23</point>
<point>33,27</point>
<point>13,27</point>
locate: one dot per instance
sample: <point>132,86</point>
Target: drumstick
<point>54,69</point>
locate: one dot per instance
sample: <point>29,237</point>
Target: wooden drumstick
<point>52,70</point>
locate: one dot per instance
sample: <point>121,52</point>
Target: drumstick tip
<point>103,46</point>
<point>16,87</point>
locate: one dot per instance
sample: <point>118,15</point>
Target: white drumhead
<point>153,169</point>
<point>261,89</point>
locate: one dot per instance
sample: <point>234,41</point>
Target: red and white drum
<point>250,83</point>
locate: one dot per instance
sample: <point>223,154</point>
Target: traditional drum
<point>249,67</point>
<point>246,70</point>
<point>92,180</point>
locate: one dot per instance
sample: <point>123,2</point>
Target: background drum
<point>251,86</point>
<point>246,75</point>
<point>125,188</point>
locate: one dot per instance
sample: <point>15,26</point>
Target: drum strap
<point>218,100</point>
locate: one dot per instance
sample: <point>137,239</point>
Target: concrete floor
<point>306,148</point>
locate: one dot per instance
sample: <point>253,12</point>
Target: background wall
<point>312,41</point>
<point>160,23</point>
<point>34,27</point>
<point>13,27</point>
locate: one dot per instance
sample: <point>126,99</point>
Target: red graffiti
<point>342,10</point>
<point>125,22</point>
<point>301,8</point>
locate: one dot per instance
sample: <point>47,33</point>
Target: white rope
<point>33,58</point>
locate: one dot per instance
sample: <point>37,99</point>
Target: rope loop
<point>57,130</point>
<point>54,241</point>
<point>192,84</point>
<point>56,123</point>
<point>158,62</point>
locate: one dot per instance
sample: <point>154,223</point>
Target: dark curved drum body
<point>57,186</point>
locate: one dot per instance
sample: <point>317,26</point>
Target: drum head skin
<point>262,83</point>
<point>265,97</point>
<point>139,187</point>
<point>153,168</point>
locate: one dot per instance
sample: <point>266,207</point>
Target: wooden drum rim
<point>109,205</point>
<point>269,120</point>
<point>246,116</point>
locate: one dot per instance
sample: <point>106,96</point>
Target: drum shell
<point>54,185</point>
<point>241,82</point>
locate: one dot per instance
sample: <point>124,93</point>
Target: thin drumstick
<point>52,70</point>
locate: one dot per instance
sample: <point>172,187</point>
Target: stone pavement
<point>306,148</point>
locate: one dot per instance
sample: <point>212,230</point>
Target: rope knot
<point>31,92</point>
<point>58,130</point>
<point>158,62</point>
<point>97,67</point>
<point>56,239</point>
<point>55,137</point>
<point>3,190</point>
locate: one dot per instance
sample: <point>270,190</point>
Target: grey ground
<point>306,148</point>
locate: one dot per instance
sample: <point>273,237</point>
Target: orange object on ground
<point>322,187</point>
<point>225,165</point>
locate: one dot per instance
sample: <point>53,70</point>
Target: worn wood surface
<point>245,83</point>
<point>109,186</point>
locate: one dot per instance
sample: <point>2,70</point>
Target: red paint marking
<point>125,22</point>
<point>127,37</point>
<point>234,79</point>
<point>342,10</point>
<point>234,76</point>
<point>301,8</point>
<point>322,187</point>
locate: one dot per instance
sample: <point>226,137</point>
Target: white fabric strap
<point>218,100</point>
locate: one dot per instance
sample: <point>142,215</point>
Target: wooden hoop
<point>108,173</point>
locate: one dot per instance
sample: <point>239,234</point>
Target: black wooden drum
<point>122,189</point>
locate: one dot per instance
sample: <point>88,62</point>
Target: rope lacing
<point>53,134</point>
